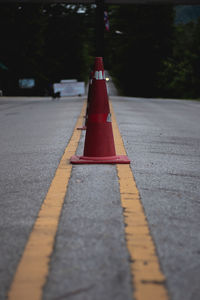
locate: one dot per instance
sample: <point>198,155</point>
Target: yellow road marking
<point>32,270</point>
<point>148,279</point>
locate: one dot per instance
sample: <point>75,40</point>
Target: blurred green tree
<point>147,53</point>
<point>139,40</point>
<point>45,42</point>
<point>180,77</point>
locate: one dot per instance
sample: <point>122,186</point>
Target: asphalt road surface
<point>90,259</point>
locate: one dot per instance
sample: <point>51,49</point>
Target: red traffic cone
<point>99,142</point>
<point>89,97</point>
<point>84,127</point>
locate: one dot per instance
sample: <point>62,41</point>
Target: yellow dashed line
<point>148,279</point>
<point>33,268</point>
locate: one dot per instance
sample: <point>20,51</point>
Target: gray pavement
<point>34,133</point>
<point>162,139</point>
<point>90,259</point>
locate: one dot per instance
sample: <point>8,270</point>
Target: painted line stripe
<point>147,277</point>
<point>33,267</point>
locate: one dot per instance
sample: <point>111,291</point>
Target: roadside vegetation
<point>152,54</point>
<point>148,52</point>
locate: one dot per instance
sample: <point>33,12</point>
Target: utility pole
<point>100,28</point>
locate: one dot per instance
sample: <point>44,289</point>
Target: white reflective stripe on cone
<point>109,118</point>
<point>96,75</point>
<point>100,75</point>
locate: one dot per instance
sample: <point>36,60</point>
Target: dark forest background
<point>150,51</point>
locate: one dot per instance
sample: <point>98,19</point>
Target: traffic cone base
<point>117,159</point>
<point>82,128</point>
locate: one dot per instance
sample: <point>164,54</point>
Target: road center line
<point>147,277</point>
<point>33,267</point>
